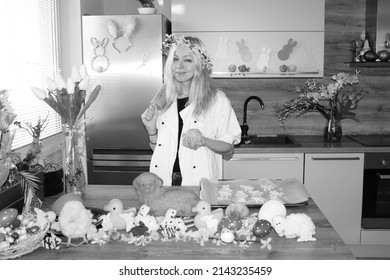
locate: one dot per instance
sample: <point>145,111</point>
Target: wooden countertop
<point>328,246</point>
<point>315,144</point>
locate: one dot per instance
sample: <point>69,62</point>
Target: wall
<point>344,21</point>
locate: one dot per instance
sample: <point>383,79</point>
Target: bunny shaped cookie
<point>121,39</point>
<point>99,62</point>
<point>245,53</point>
<point>262,64</point>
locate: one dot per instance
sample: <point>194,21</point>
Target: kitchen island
<point>328,245</point>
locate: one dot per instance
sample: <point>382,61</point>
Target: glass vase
<point>74,170</point>
<point>333,129</point>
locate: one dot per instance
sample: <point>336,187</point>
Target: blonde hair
<point>202,93</point>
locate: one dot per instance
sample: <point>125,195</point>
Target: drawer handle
<point>381,176</point>
<point>265,159</point>
<point>335,158</point>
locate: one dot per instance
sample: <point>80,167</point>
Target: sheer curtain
<point>29,52</point>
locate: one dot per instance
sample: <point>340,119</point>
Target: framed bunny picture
<point>264,54</point>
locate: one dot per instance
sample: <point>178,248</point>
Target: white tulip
<point>75,76</point>
<point>70,86</point>
<point>39,93</point>
<point>83,85</point>
<point>51,85</point>
<point>60,81</point>
<point>83,71</point>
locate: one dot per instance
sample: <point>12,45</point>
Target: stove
<point>371,140</point>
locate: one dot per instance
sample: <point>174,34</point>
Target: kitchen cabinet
<point>335,182</point>
<point>256,166</point>
<point>248,15</point>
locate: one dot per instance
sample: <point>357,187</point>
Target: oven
<point>376,182</point>
<point>376,191</point>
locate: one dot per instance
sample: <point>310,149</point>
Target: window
<point>29,52</point>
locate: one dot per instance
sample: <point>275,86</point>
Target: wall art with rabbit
<point>265,54</point>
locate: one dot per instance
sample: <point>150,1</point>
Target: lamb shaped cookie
<point>159,198</point>
<point>295,225</point>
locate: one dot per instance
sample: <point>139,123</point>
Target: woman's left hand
<point>193,139</point>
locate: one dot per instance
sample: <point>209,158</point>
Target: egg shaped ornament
<point>231,223</point>
<point>384,55</point>
<point>272,208</point>
<point>370,56</point>
<point>7,216</point>
<point>261,228</point>
<point>227,235</point>
<point>60,202</point>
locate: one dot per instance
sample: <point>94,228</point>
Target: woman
<point>197,125</point>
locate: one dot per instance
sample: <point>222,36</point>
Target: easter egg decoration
<point>261,228</point>
<point>231,223</point>
<point>60,202</point>
<point>272,208</point>
<point>7,216</point>
<point>227,235</point>
<point>235,212</point>
<point>383,55</point>
<point>370,56</point>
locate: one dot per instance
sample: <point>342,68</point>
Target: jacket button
<point>194,121</point>
<point>155,165</point>
<point>162,123</point>
<point>159,145</point>
<point>194,166</point>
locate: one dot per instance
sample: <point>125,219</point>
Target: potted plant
<point>15,183</point>
<point>147,7</point>
<point>34,160</point>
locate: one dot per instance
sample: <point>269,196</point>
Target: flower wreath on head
<point>173,39</point>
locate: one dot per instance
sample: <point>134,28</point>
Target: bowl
<point>146,11</point>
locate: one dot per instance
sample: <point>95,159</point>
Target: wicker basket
<point>24,247</point>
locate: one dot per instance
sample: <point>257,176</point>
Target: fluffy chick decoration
<point>74,221</point>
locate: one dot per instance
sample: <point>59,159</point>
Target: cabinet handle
<point>381,176</point>
<point>335,158</point>
<point>265,159</point>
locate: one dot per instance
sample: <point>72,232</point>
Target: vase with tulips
<point>71,100</point>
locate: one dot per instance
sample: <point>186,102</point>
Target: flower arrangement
<point>69,99</point>
<point>9,159</point>
<point>34,154</point>
<point>331,101</point>
<point>173,39</point>
<point>147,3</point>
<point>7,117</point>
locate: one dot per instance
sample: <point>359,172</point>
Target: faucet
<point>244,126</point>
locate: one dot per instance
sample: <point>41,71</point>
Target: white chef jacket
<point>219,123</point>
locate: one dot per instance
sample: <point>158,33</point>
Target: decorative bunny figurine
<point>99,62</point>
<point>262,64</point>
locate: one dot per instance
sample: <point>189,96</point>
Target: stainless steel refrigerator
<point>122,54</point>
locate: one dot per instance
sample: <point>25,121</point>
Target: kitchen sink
<point>253,141</point>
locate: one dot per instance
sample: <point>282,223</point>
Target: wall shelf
<point>369,64</point>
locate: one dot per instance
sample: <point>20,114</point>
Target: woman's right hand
<point>149,118</point>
